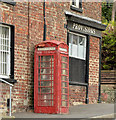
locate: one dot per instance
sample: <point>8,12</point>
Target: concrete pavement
<point>101,110</point>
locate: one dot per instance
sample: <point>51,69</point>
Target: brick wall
<point>92,10</point>
<point>28,21</point>
<point>93,69</point>
<point>4,95</point>
<point>108,87</point>
<point>77,95</point>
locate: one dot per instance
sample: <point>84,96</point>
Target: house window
<point>77,3</point>
<point>77,57</point>
<point>77,46</point>
<point>5,40</point>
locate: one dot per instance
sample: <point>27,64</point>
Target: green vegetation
<point>109,46</point>
<point>108,39</point>
<point>106,12</point>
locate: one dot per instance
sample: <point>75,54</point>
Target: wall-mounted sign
<point>83,28</point>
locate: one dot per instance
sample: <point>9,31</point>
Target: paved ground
<point>100,110</point>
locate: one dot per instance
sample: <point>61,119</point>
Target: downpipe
<point>44,15</point>
<point>99,86</point>
<point>10,101</point>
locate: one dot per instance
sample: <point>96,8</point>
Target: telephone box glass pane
<point>45,71</point>
<point>46,96</point>
<point>46,103</point>
<point>64,84</point>
<point>45,77</point>
<point>64,90</point>
<point>64,78</point>
<point>64,103</point>
<point>46,58</point>
<point>64,59</point>
<point>46,90</point>
<point>64,65</point>
<point>45,80</point>
<point>64,72</point>
<point>46,64</point>
<point>46,83</point>
<point>64,97</point>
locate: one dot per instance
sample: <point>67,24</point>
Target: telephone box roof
<point>55,42</point>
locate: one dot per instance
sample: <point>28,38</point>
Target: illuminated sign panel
<point>47,48</point>
<point>62,49</point>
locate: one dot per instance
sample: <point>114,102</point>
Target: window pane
<point>46,58</point>
<point>70,38</point>
<point>80,52</point>
<point>77,3</point>
<point>45,83</point>
<point>45,77</point>
<point>64,65</point>
<point>46,90</point>
<point>75,38</point>
<point>64,97</point>
<point>4,31</point>
<point>74,45</point>
<point>46,103</point>
<point>70,44</point>
<point>74,50</point>
<point>64,72</point>
<point>74,2</point>
<point>64,91</point>
<point>46,96</point>
<point>46,71</point>
<point>81,40</point>
<point>64,78</point>
<point>64,59</point>
<point>81,47</point>
<point>77,70</point>
<point>64,84</point>
<point>70,49</point>
<point>64,103</point>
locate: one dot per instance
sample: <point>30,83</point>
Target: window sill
<point>8,2</point>
<point>77,83</point>
<point>12,81</point>
<point>71,56</point>
<point>76,9</point>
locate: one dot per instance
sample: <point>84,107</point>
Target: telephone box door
<point>45,86</point>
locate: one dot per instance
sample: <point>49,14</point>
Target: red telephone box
<point>51,77</point>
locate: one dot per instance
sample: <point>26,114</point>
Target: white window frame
<point>70,47</point>
<point>2,73</point>
<point>77,3</point>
